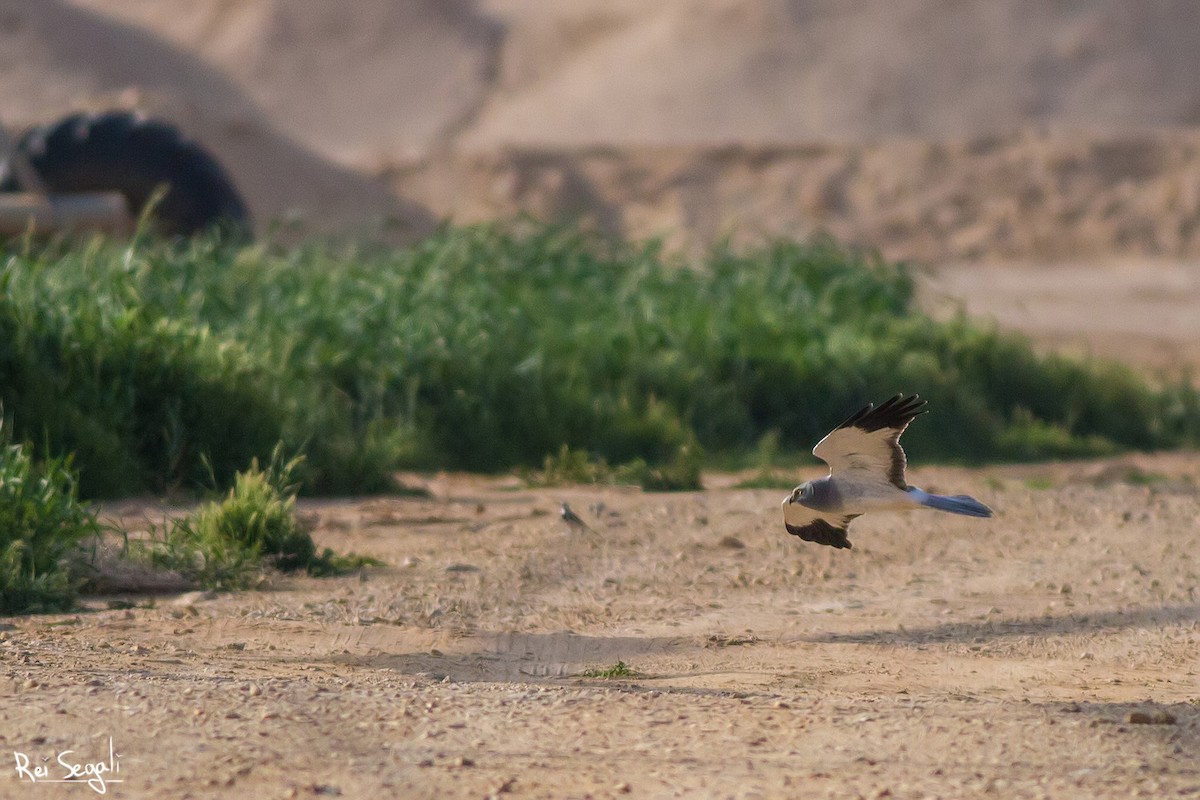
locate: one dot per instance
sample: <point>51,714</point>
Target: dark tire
<point>120,151</point>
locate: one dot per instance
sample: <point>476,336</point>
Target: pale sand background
<point>1038,162</point>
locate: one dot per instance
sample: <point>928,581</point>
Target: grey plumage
<point>866,473</point>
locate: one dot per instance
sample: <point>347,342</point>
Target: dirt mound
<point>825,70</point>
<point>396,77</point>
<point>390,78</point>
<point>51,68</point>
<point>913,118</point>
<point>1024,197</point>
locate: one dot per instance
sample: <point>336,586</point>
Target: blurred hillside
<point>933,129</point>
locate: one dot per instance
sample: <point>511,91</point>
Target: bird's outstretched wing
<point>817,526</point>
<point>869,441</point>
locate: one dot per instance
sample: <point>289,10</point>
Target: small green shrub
<point>615,672</point>
<point>41,523</point>
<point>568,467</point>
<point>680,474</point>
<point>767,477</point>
<point>227,544</point>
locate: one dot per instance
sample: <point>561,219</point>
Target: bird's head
<point>800,494</point>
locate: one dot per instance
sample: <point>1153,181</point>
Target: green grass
<point>1039,483</point>
<point>140,396</point>
<point>229,544</point>
<point>491,347</point>
<point>42,522</point>
<point>1136,476</point>
<point>615,672</point>
<point>680,474</point>
<point>767,476</point>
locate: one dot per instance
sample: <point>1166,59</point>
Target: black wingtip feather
<point>821,532</point>
<point>895,412</point>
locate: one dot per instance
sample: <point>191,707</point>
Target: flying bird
<point>866,473</point>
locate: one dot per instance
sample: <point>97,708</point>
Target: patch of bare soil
<point>1143,312</point>
<point>1034,197</point>
<point>1052,651</point>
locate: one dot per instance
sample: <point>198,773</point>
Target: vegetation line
<point>494,346</point>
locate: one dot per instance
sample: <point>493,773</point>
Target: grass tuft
<point>767,477</point>
<point>568,467</point>
<point>229,544</point>
<point>42,523</point>
<point>616,671</point>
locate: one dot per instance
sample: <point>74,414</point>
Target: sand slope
<point>311,106</point>
<point>58,58</point>
<point>391,77</point>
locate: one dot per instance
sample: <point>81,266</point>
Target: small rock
<point>29,683</point>
<point>464,762</point>
<point>623,788</point>
<point>410,562</point>
<point>731,542</point>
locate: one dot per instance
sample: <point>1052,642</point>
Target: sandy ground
<point>1053,651</point>
<point>1144,313</point>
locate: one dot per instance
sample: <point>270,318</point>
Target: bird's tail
<point>958,504</point>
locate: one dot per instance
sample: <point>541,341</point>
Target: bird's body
<point>866,473</point>
<point>573,520</point>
